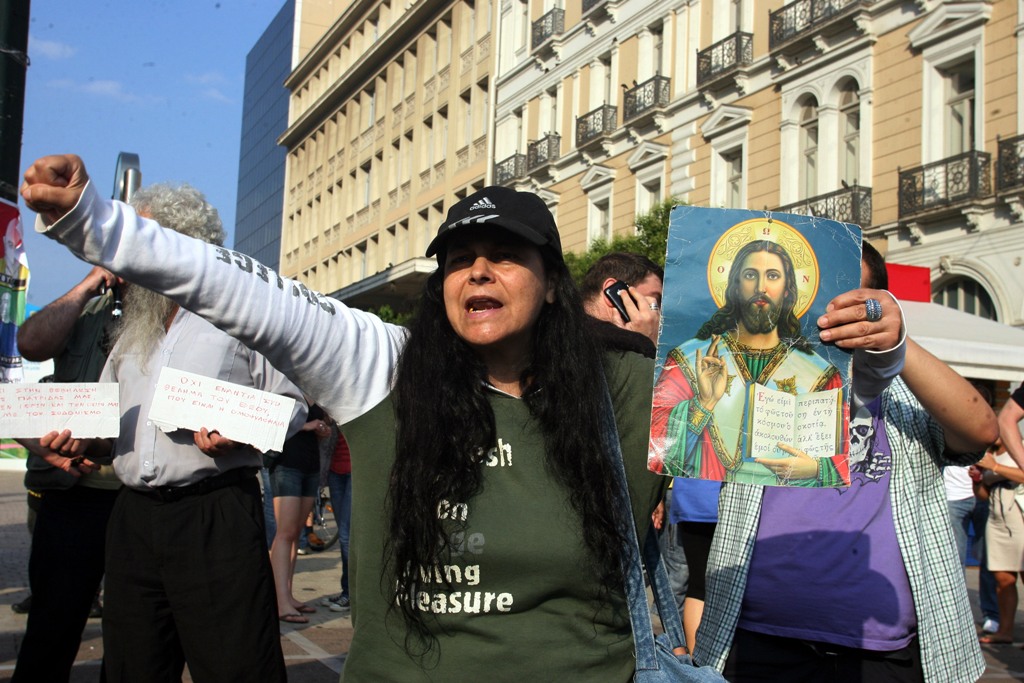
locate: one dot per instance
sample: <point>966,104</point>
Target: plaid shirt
<point>945,626</point>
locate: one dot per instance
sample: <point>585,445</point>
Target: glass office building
<point>261,160</point>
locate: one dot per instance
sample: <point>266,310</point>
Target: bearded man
<point>700,408</point>
<point>188,575</point>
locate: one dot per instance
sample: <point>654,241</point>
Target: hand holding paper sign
<point>213,444</point>
<point>237,413</point>
<point>76,465</point>
<point>64,444</point>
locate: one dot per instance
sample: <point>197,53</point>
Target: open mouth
<point>479,303</point>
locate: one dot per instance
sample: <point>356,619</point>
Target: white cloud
<point>208,78</point>
<point>216,94</point>
<point>109,89</point>
<point>51,49</point>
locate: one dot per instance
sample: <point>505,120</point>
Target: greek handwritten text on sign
<point>29,411</point>
<point>184,400</point>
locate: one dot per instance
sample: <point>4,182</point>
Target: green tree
<point>388,315</point>
<point>650,240</point>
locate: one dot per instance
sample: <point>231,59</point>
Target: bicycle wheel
<point>324,525</point>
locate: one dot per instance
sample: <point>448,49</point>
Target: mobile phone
<point>612,292</point>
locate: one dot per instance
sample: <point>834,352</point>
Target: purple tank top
<point>826,565</point>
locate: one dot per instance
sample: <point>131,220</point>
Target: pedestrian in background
<point>339,483</point>
<point>295,482</point>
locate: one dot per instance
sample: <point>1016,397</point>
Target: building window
<point>366,178</point>
<point>549,100</point>
<point>964,294</point>
<point>849,118</point>
<point>733,164</point>
<point>428,143</point>
<point>442,118</point>
<point>600,227</point>
<point>606,68</point>
<point>466,103</point>
<point>648,196</point>
<point>951,40</point>
<point>809,147</point>
<point>959,86</point>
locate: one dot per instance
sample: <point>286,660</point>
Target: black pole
<point>13,65</point>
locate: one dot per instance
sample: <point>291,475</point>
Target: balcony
<point>946,183</point>
<point>850,205</point>
<point>798,22</point>
<point>540,153</point>
<point>724,58</point>
<point>510,169</point>
<point>1010,164</point>
<point>595,125</point>
<point>641,102</point>
<point>591,4</point>
<point>548,26</point>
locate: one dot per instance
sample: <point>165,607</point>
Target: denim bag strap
<point>655,660</point>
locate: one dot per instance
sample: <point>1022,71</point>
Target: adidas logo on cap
<point>483,203</point>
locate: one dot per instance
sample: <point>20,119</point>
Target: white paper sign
<point>29,411</point>
<point>185,400</point>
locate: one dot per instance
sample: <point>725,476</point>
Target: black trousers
<point>65,567</point>
<point>763,658</point>
<point>190,581</point>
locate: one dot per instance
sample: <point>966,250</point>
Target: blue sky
<point>161,78</point>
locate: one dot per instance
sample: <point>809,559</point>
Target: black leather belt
<point>170,494</point>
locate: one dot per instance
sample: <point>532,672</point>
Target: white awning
<point>975,347</point>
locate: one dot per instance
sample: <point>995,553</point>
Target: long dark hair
<point>445,426</point>
<point>727,317</point>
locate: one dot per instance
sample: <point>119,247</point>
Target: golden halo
<point>805,263</point>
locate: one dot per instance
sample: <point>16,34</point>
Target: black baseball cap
<point>521,213</point>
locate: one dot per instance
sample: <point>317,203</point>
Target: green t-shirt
<point>524,603</point>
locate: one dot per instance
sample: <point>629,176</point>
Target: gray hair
<point>182,208</point>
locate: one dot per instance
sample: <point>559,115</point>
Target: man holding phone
<point>624,290</point>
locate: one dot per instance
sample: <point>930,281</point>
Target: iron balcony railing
<point>509,169</point>
<point>805,16</point>
<point>1010,164</point>
<point>542,152</point>
<point>724,56</point>
<point>652,94</point>
<point>959,178</point>
<point>851,205</point>
<point>591,4</point>
<point>551,24</point>
<point>595,124</point>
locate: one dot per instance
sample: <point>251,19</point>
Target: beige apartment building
<point>388,124</point>
<point>902,116</point>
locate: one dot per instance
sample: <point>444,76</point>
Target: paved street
<point>314,652</point>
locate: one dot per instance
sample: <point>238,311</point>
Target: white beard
<point>142,325</point>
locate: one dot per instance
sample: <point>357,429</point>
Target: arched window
<point>809,148</point>
<point>964,294</point>
<point>849,129</point>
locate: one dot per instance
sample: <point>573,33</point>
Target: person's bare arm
<point>1009,417</point>
<point>967,421</point>
<point>45,334</point>
<point>1014,474</point>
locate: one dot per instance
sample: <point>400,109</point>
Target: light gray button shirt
<point>144,456</point>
